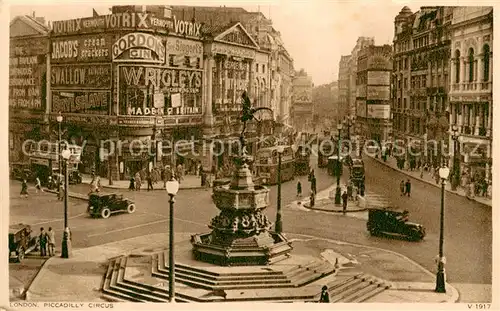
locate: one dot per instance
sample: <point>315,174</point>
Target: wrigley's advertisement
<point>162,79</point>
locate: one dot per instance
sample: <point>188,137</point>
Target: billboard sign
<point>91,48</point>
<point>135,42</point>
<point>377,92</point>
<point>25,82</point>
<point>179,49</point>
<point>93,76</point>
<point>361,108</point>
<point>377,111</point>
<point>379,78</point>
<point>86,102</point>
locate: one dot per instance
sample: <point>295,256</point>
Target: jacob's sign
<point>139,40</point>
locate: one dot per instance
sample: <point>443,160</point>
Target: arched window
<point>457,66</point>
<point>471,64</point>
<point>486,63</point>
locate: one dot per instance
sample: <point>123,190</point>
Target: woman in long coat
<point>24,188</point>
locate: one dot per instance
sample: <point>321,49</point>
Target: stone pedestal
<point>240,233</point>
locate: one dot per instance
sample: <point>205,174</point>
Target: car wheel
<point>131,208</point>
<point>105,213</point>
<point>20,255</point>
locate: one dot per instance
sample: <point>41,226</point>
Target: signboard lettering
<point>81,102</point>
<point>219,48</point>
<point>170,80</point>
<point>377,111</point>
<point>139,40</point>
<point>186,28</point>
<point>82,48</point>
<point>180,49</point>
<point>80,75</point>
<point>25,82</point>
<point>132,20</point>
<point>136,120</point>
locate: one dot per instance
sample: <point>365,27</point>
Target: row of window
<point>472,65</point>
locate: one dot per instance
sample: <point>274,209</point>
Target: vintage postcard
<point>249,152</point>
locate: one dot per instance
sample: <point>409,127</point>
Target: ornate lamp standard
<point>440,277</point>
<point>59,119</point>
<point>172,186</point>
<point>66,241</point>
<point>456,163</point>
<point>337,190</point>
<point>279,224</point>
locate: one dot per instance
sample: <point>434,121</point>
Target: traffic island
<point>328,205</point>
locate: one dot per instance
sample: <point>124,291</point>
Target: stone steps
<point>354,288</point>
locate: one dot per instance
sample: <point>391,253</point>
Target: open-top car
<point>393,221</point>
<point>22,241</point>
<point>105,204</point>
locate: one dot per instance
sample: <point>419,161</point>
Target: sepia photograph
<point>249,152</point>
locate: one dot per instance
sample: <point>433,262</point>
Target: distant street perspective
<point>168,153</point>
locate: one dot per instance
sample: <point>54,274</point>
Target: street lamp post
<point>456,170</point>
<point>66,241</point>
<point>279,224</point>
<point>440,277</point>
<point>172,186</point>
<point>337,190</point>
<point>59,119</point>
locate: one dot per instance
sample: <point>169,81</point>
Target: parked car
<point>392,221</point>
<point>74,177</point>
<point>22,241</point>
<point>21,171</point>
<point>105,204</point>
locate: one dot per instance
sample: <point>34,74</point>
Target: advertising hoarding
<point>361,108</point>
<point>378,111</point>
<point>139,46</point>
<point>86,102</point>
<point>377,92</point>
<point>26,89</point>
<point>361,91</point>
<point>89,48</point>
<point>89,76</point>
<point>379,78</point>
<point>179,49</point>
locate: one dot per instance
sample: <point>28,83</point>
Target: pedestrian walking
<point>51,239</point>
<point>408,187</point>
<point>421,172</point>
<point>313,184</point>
<point>150,182</point>
<point>402,188</point>
<point>131,186</point>
<point>312,199</point>
<point>38,185</point>
<point>42,239</point>
<point>349,189</point>
<point>299,189</point>
<point>24,188</point>
<point>325,297</point>
<point>344,201</point>
<point>138,181</point>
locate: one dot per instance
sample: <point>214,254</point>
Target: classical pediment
<point>237,35</point>
<point>22,26</point>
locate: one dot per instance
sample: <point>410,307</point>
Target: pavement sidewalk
<point>392,163</point>
<point>80,277</point>
<point>188,182</point>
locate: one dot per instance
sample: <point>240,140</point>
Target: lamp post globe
<point>171,186</point>
<point>440,276</point>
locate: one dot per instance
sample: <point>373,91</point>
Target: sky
<point>315,32</point>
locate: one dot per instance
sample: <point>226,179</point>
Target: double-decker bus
<point>266,165</point>
<point>326,148</point>
<point>302,157</point>
<point>44,159</point>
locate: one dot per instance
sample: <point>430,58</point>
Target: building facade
<point>421,81</point>
<point>302,105</point>
<point>29,60</point>
<point>343,87</point>
<point>373,93</point>
<point>471,80</point>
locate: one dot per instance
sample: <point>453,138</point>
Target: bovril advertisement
<point>91,48</point>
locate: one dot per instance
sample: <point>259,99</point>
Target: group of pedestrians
<point>312,179</point>
<point>47,242</point>
<point>24,187</point>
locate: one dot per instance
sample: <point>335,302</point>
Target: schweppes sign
<point>139,40</point>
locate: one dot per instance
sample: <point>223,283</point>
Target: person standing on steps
<point>325,297</point>
<point>51,239</point>
<point>408,187</point>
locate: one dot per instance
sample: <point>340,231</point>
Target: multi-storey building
<point>373,84</point>
<point>133,84</point>
<point>343,87</point>
<point>471,82</point>
<point>353,74</point>
<point>302,105</point>
<point>421,81</point>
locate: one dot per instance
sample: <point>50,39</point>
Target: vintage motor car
<point>105,204</point>
<point>22,241</point>
<point>393,221</point>
<point>21,171</point>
